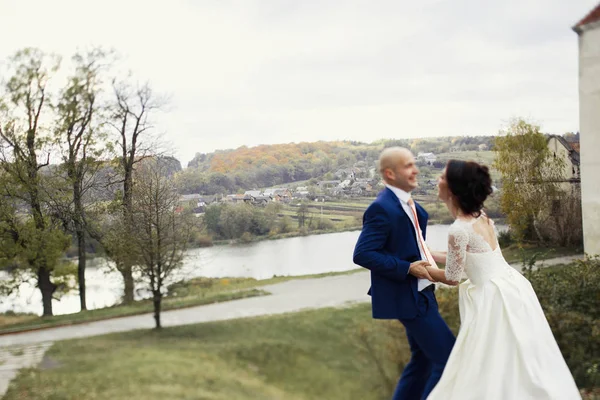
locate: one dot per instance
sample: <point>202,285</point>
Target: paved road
<point>26,349</point>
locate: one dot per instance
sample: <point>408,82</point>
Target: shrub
<point>246,237</point>
<point>570,298</point>
<point>200,240</point>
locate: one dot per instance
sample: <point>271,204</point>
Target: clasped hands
<point>422,270</point>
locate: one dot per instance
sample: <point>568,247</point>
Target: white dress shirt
<point>403,197</point>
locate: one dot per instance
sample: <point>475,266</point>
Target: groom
<point>392,245</point>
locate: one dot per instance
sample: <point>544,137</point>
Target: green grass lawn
<point>301,356</point>
<point>334,354</point>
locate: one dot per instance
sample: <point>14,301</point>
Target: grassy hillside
<point>309,355</point>
<point>259,167</point>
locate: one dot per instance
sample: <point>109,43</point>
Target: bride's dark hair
<point>470,183</point>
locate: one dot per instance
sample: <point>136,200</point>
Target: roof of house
<point>274,190</point>
<point>573,154</point>
<point>575,146</point>
<point>593,16</point>
<point>188,197</point>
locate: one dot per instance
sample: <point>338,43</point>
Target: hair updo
<point>470,183</point>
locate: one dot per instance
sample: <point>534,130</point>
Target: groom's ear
<point>389,174</point>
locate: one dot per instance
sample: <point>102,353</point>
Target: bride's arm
<point>455,258</point>
<point>439,275</point>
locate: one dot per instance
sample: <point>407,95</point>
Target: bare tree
<point>131,121</point>
<point>22,157</point>
<point>162,234</point>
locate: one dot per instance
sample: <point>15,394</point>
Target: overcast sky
<point>250,72</point>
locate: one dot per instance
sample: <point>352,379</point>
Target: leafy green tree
<point>32,236</point>
<point>78,134</point>
<point>530,177</point>
<point>302,213</point>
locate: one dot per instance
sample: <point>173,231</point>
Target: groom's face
<point>404,174</point>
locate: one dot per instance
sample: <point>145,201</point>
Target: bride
<point>505,348</point>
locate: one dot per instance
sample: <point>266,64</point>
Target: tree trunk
<point>127,268</point>
<point>80,233</point>
<point>47,288</point>
<point>127,273</point>
<point>157,303</point>
<point>536,229</point>
<point>81,268</point>
<point>43,274</point>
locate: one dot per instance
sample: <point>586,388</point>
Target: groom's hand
<point>418,269</point>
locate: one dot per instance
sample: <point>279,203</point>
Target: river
<point>302,255</point>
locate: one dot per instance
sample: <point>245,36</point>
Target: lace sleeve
<point>457,249</point>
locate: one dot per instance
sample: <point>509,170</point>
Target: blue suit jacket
<point>387,246</point>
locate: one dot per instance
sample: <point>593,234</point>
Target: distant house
<point>483,147</point>
<point>236,198</point>
<point>281,192</point>
<point>302,189</point>
<point>253,193</point>
<point>343,173</point>
<point>428,158</point>
<point>261,200</point>
<point>191,200</point>
<point>562,149</point>
<point>302,194</point>
<point>328,184</point>
<point>344,184</point>
<point>588,31</point>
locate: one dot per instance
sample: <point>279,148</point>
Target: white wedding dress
<point>505,349</point>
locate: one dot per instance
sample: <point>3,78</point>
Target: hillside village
<point>363,181</point>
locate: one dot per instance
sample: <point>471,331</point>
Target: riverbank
<point>183,294</point>
<point>256,239</point>
<point>201,290</point>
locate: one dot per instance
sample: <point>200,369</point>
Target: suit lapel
<point>391,197</point>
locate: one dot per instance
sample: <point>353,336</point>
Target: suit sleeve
<point>369,251</point>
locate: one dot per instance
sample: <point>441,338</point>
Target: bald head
<point>392,156</point>
<point>398,168</point>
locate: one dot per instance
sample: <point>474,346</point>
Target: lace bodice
<point>464,240</point>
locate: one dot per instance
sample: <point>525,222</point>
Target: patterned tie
<point>430,259</point>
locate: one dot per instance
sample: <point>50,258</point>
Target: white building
<point>563,150</point>
<point>429,158</point>
<point>588,30</point>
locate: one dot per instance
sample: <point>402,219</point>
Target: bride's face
<point>443,190</point>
